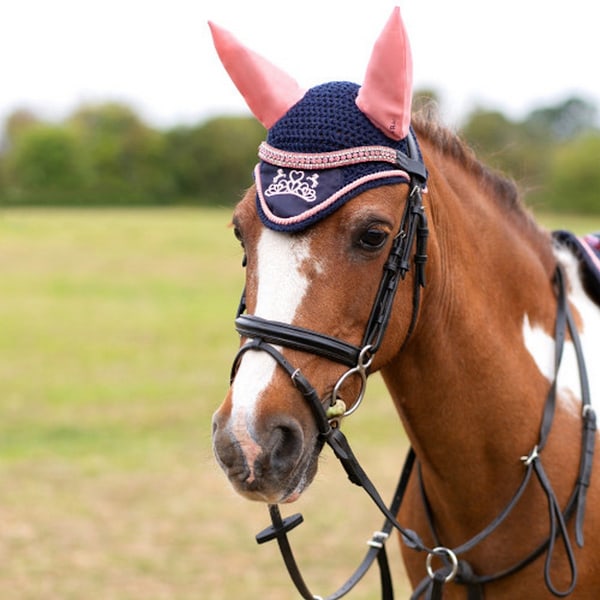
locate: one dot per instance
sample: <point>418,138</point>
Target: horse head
<point>345,152</point>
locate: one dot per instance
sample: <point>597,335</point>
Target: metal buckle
<point>378,539</point>
<point>365,358</point>
<point>587,411</point>
<point>531,456</point>
<point>441,551</point>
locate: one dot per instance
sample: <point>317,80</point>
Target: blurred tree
<point>565,121</point>
<point>185,152</point>
<point>498,141</point>
<point>46,156</point>
<point>574,181</point>
<point>213,162</point>
<point>16,124</point>
<point>126,157</point>
<point>106,154</point>
<point>524,149</point>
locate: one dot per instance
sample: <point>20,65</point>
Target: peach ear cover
<point>269,92</point>
<point>385,96</point>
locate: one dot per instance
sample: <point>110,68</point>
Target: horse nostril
<point>285,447</point>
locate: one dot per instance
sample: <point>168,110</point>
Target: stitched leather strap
<point>557,519</point>
<point>299,338</point>
<point>280,528</point>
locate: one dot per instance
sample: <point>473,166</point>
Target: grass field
<point>116,333</point>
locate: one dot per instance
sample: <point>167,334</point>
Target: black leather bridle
<point>263,335</point>
<point>412,231</point>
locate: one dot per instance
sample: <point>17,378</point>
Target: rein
<point>264,335</point>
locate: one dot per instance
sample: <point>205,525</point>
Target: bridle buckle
<point>365,358</point>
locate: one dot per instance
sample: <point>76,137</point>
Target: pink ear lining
<point>269,92</point>
<point>386,94</point>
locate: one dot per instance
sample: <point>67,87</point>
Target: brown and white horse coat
<point>471,381</point>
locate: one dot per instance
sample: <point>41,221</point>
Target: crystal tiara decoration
<point>326,160</point>
<point>296,183</point>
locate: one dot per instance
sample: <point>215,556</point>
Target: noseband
<point>264,335</point>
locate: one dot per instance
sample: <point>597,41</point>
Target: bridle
<point>264,335</point>
<point>412,230</point>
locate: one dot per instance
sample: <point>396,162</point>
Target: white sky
<point>157,55</point>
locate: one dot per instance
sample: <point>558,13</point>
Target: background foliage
<point>106,154</point>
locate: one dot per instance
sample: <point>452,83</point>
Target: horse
<point>374,240</point>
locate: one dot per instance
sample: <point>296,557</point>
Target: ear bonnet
<point>328,144</point>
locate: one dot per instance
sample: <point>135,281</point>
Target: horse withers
<point>375,241</point>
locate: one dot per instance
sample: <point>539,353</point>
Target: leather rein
<point>263,335</point>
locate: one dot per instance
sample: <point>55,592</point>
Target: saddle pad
<point>587,250</point>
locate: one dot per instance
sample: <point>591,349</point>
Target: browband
<point>326,160</point>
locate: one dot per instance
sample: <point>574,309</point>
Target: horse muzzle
<point>273,462</point>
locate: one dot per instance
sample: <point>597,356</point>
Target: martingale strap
<point>534,466</point>
<point>376,551</point>
<point>454,568</point>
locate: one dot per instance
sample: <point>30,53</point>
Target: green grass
<point>116,335</point>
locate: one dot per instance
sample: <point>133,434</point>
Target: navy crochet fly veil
<point>330,143</point>
<point>322,153</point>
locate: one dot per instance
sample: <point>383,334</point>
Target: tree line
<point>105,154</point>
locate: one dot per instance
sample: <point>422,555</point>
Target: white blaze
<point>281,288</point>
<point>541,345</point>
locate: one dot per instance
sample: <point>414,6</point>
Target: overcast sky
<point>157,54</point>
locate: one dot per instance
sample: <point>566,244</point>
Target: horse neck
<point>466,387</point>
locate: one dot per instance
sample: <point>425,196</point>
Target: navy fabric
<point>291,191</point>
<point>325,120</point>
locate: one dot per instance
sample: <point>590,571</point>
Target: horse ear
<point>385,96</point>
<point>268,91</point>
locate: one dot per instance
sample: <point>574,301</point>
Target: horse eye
<point>238,235</point>
<point>373,239</point>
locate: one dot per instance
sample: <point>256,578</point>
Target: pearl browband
<point>326,160</point>
<point>295,189</point>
